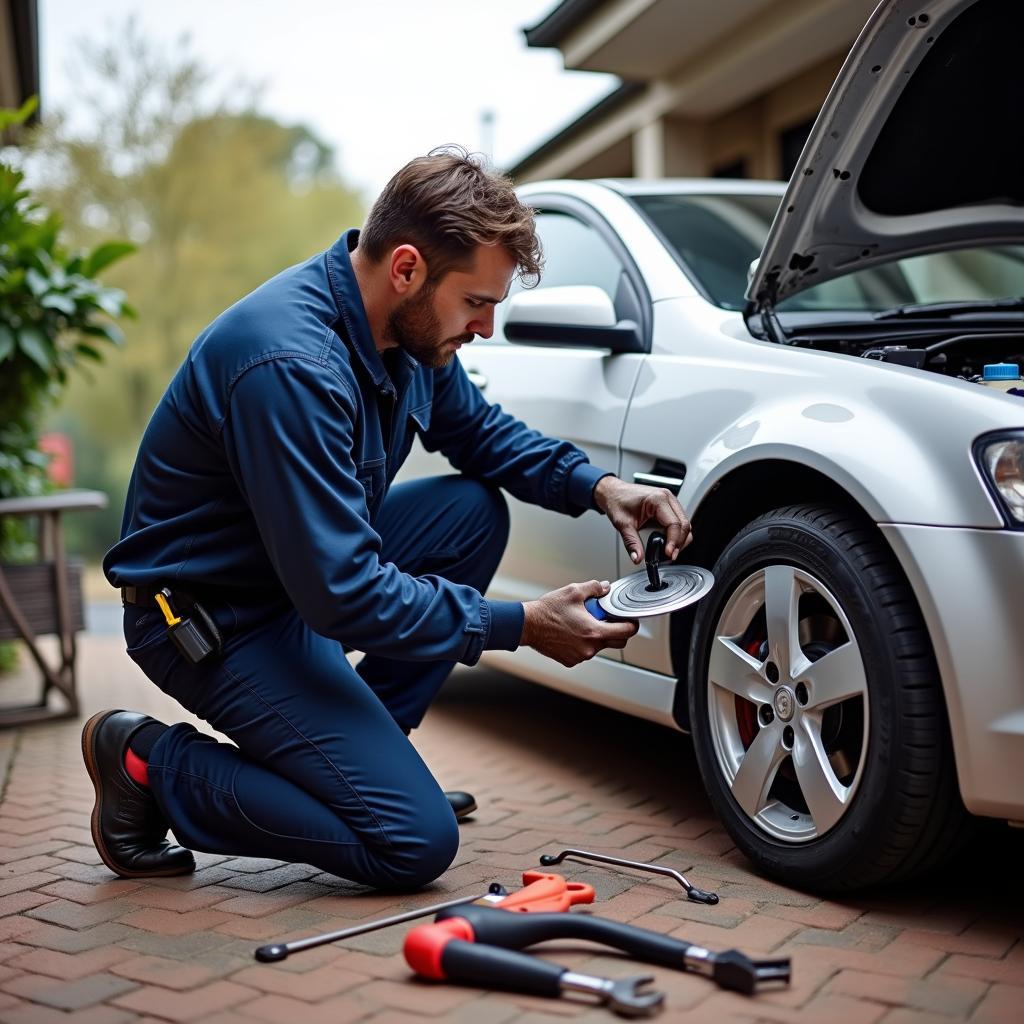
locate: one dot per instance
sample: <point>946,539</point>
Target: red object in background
<point>546,892</point>
<point>61,470</point>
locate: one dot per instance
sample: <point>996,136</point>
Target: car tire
<point>828,774</point>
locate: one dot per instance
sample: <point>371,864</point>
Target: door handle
<point>671,483</point>
<point>477,378</point>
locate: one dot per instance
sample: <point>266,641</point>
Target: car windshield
<point>715,238</point>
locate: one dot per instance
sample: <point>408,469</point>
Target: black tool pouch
<point>196,635</point>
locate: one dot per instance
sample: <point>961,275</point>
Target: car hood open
<point>918,148</point>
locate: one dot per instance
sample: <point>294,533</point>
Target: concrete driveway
<point>549,772</point>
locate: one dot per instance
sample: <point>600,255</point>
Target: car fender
<point>897,439</point>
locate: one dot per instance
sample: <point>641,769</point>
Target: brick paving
<point>76,943</point>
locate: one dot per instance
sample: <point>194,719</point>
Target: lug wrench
<point>692,892</point>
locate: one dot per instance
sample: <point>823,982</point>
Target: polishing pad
<point>632,598</point>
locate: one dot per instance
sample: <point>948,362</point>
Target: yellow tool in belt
<point>164,600</point>
<point>196,640</point>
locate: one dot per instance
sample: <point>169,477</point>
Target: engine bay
<point>961,355</point>
<point>954,352</point>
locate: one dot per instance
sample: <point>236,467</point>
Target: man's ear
<point>407,270</point>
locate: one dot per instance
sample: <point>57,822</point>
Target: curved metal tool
<point>693,894</point>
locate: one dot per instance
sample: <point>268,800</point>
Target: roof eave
<point>552,30</point>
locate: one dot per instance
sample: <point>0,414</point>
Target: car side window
<point>575,253</point>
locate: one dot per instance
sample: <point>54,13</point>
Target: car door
<point>580,394</point>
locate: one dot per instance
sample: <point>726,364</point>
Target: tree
<point>218,197</point>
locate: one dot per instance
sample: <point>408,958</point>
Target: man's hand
<point>631,507</point>
<point>559,626</point>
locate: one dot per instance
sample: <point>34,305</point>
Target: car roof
<point>678,186</point>
<point>628,187</point>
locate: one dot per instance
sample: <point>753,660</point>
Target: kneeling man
<point>262,537</point>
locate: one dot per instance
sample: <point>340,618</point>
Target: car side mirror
<point>581,316</point>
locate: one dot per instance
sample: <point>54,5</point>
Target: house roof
<point>552,29</point>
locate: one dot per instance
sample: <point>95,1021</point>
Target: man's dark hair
<point>446,204</point>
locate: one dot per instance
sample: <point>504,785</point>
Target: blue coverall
<point>263,489</point>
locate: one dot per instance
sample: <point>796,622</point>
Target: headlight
<point>1002,463</point>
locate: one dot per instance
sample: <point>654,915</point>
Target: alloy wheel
<point>788,703</point>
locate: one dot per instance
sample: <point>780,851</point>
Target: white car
<point>855,679</point>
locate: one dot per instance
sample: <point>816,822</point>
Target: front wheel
<point>817,713</point>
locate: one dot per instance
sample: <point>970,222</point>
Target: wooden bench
<point>44,598</point>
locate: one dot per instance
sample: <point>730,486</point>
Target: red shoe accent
<point>136,767</point>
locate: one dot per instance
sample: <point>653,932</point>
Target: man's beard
<point>413,326</point>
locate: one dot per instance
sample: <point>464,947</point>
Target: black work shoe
<point>128,827</point>
<point>463,804</point>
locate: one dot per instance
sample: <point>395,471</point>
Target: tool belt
<point>189,625</point>
<point>145,596</point>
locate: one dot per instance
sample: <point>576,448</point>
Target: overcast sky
<point>381,82</point>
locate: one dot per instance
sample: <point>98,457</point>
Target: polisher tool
<point>656,589</point>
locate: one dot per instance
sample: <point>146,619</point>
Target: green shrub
<point>54,314</point>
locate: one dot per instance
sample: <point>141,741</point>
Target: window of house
<point>733,169</point>
<point>791,145</point>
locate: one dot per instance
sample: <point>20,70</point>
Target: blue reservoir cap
<point>1002,371</point>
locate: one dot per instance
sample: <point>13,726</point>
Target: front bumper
<point>970,586</point>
